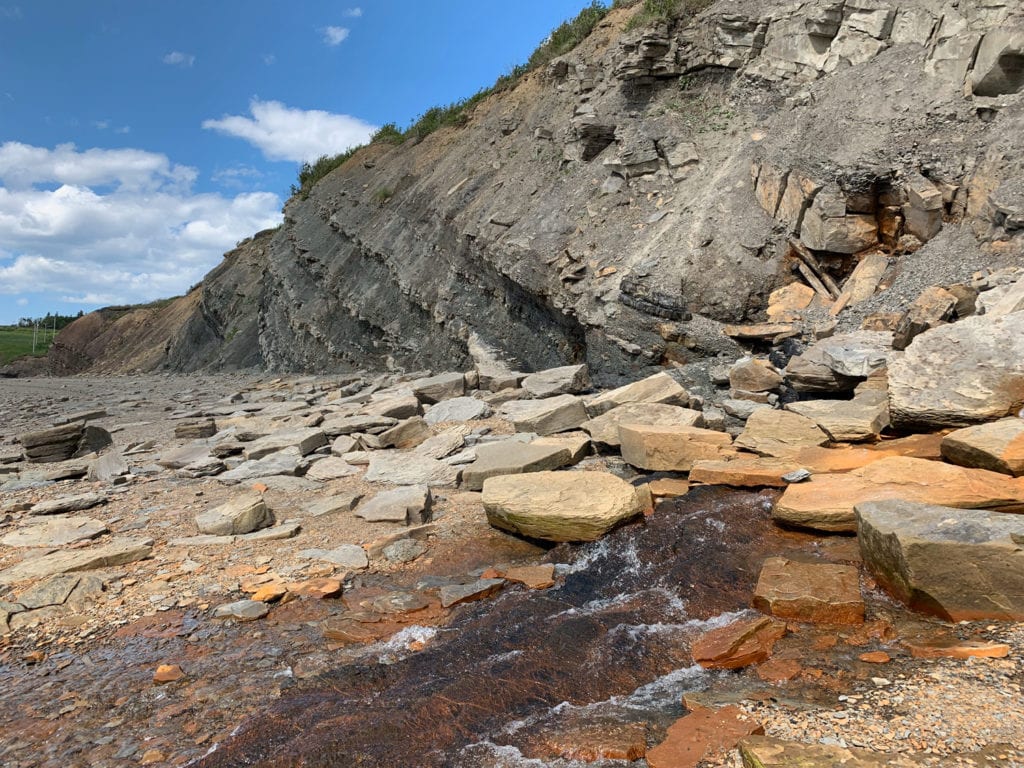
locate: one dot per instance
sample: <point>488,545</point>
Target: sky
<point>141,139</point>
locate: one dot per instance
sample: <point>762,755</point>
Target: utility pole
<point>35,333</point>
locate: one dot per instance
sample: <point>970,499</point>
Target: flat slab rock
<point>347,556</point>
<point>567,380</point>
<point>68,504</point>
<point>242,610</point>
<point>738,644</point>
<point>400,505</point>
<point>457,409</point>
<point>849,421</point>
<point>744,472</point>
<point>662,448</point>
<point>547,416</point>
<point>962,565</point>
<point>561,506</point>
<point>56,531</point>
<point>780,433</point>
<point>604,429</point>
<point>242,514</point>
<point>400,468</point>
<point>454,594</point>
<point>826,502</point>
<point>283,462</point>
<point>510,457</point>
<point>700,735</point>
<point>767,752</point>
<point>114,552</point>
<point>997,446</point>
<point>820,593</point>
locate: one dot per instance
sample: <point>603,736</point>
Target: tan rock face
<point>847,421</point>
<point>560,506</point>
<point>957,649</point>
<point>767,752</point>
<point>744,472</point>
<point>997,446</point>
<point>667,448</point>
<point>659,388</point>
<point>779,433</point>
<point>811,592</point>
<point>795,297</point>
<point>605,428</point>
<point>700,735</point>
<point>826,502</point>
<point>754,375</point>
<point>739,644</point>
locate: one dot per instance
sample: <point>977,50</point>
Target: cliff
<point>619,205</point>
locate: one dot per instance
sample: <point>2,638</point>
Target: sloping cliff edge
<point>620,205</point>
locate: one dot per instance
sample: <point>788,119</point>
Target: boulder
<point>509,457</point>
<point>956,375</point>
<point>108,467</point>
<point>347,425</point>
<point>64,442</point>
<point>330,468</point>
<point>961,565</point>
<point>997,446</point>
<point>547,416</point>
<point>848,421</point>
<point>670,448</point>
<point>568,380</point>
<point>406,434</point>
<point>779,433</point>
<point>931,309</point>
<point>826,502</point>
<point>344,502</point>
<point>819,593</point>
<point>576,443</point>
<point>738,644</point>
<point>457,409</point>
<point>754,375</point>
<point>561,506</point>
<point>394,406</point>
<point>444,443</point>
<point>604,429</point>
<point>839,363</point>
<point>659,388</point>
<point>399,468</point>
<point>242,610</point>
<point>444,386</point>
<point>400,505</point>
<point>242,514</point>
<point>287,461</point>
<point>305,441</point>
<point>195,430</point>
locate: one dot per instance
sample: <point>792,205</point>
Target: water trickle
<point>608,645</point>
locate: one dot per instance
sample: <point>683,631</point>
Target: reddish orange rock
<point>810,592</point>
<point>492,573</point>
<point>270,593</point>
<point>260,488</point>
<point>952,648</point>
<point>701,735</point>
<point>739,644</point>
<point>875,657</point>
<point>597,741</point>
<point>167,673</point>
<point>779,670</point>
<point>533,576</point>
<point>319,588</point>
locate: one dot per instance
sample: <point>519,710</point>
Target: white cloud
<point>101,125</point>
<point>179,59</point>
<point>147,239</point>
<point>269,59</point>
<point>286,133</point>
<point>238,177</point>
<point>123,129</point>
<point>335,35</point>
<point>22,302</point>
<point>353,13</point>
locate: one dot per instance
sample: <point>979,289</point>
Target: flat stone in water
<point>453,594</point>
<point>399,602</point>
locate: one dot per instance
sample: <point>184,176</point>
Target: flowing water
<point>510,681</point>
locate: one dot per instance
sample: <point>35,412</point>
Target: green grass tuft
<point>655,11</point>
<point>17,342</point>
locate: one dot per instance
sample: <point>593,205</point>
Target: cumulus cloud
<point>10,12</point>
<point>335,35</point>
<point>146,236</point>
<point>353,13</point>
<point>286,133</point>
<point>179,59</point>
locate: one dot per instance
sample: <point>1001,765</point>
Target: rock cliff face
<point>617,206</point>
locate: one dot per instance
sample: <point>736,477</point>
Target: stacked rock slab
<point>997,446</point>
<point>962,565</point>
<point>671,448</point>
<point>64,442</point>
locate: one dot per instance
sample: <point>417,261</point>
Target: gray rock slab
<point>839,363</point>
<point>56,531</point>
<point>444,386</point>
<point>52,591</point>
<point>457,409</point>
<point>114,552</point>
<point>399,468</point>
<point>343,444</point>
<point>512,458</point>
<point>454,594</point>
<point>347,556</point>
<point>273,533</point>
<point>399,505</point>
<point>305,441</point>
<point>960,374</point>
<point>287,484</point>
<point>107,467</point>
<point>444,444</point>
<point>567,380</point>
<point>849,421</point>
<point>347,425</point>
<point>202,541</point>
<point>283,462</point>
<point>604,429</point>
<point>68,504</point>
<point>963,565</point>
<point>182,456</point>
<point>659,388</point>
<point>242,514</point>
<point>997,446</point>
<point>547,416</point>
<point>344,502</point>
<point>395,406</point>
<point>406,434</point>
<point>404,551</point>
<point>330,468</point>
<point>242,610</point>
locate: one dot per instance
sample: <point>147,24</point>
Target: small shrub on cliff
<point>388,134</point>
<point>311,173</point>
<point>567,36</point>
<point>654,11</point>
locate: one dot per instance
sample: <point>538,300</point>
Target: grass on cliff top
<point>17,342</point>
<point>563,39</point>
<point>655,11</point>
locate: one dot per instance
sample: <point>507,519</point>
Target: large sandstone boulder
<point>779,433</point>
<point>242,514</point>
<point>567,380</point>
<point>547,416</point>
<point>560,506</point>
<point>659,388</point>
<point>671,448</point>
<point>960,374</point>
<point>998,446</point>
<point>848,421</point>
<point>509,457</point>
<point>838,363</point>
<point>821,593</point>
<point>962,565</point>
<point>605,428</point>
<point>826,502</point>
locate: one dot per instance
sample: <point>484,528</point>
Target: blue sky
<point>139,140</point>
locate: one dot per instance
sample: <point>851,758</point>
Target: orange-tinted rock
<point>957,649</point>
<point>826,502</point>
<point>744,472</point>
<point>779,670</point>
<point>168,673</point>
<point>270,593</point>
<point>597,741</point>
<point>811,592</point>
<point>875,657</point>
<point>348,632</point>
<point>532,576</point>
<point>701,735</point>
<point>669,487</point>
<point>739,644</point>
<point>671,448</point>
<point>319,588</point>
<point>152,757</point>
<point>927,446</point>
<point>998,446</point>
